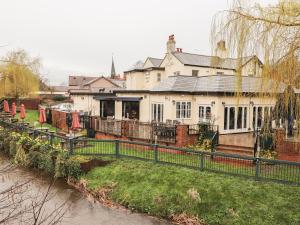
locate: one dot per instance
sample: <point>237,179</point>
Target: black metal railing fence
<point>246,166</point>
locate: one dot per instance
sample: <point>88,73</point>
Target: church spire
<point>113,70</point>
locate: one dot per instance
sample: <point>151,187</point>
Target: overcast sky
<point>80,36</point>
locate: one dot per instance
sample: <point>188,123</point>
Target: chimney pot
<point>171,37</point>
<point>171,44</point>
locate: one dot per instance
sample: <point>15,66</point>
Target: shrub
<point>61,169</point>
<point>268,154</point>
<point>45,163</point>
<point>205,145</point>
<point>73,166</point>
<point>267,141</point>
<point>35,153</point>
<point>21,157</point>
<point>205,136</point>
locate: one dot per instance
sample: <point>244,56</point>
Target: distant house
<point>83,91</point>
<point>56,90</point>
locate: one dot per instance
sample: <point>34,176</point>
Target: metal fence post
<point>34,134</point>
<point>155,149</point>
<point>117,148</point>
<point>71,141</point>
<point>202,161</point>
<point>51,139</point>
<point>257,168</point>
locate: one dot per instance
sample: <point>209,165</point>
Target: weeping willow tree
<point>273,34</point>
<point>19,75</point>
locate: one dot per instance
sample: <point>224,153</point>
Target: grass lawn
<point>32,117</point>
<point>162,190</point>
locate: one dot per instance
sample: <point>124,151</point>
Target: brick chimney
<point>171,44</point>
<point>221,50</point>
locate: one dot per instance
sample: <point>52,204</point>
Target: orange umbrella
<point>13,109</point>
<point>5,106</point>
<point>42,117</point>
<point>22,112</point>
<point>75,121</point>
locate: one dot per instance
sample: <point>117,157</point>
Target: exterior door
<point>261,115</point>
<point>235,119</point>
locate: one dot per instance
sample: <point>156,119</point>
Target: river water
<point>81,210</point>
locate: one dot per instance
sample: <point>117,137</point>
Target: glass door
<point>261,115</point>
<point>235,119</point>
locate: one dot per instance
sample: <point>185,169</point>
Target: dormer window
<point>220,73</point>
<point>177,73</point>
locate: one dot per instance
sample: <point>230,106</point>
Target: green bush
<point>73,166</point>
<point>205,132</point>
<point>45,163</point>
<point>205,145</point>
<point>61,169</point>
<point>35,153</point>
<point>267,141</point>
<point>21,158</point>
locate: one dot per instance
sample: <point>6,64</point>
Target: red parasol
<point>75,121</point>
<point>22,112</point>
<point>42,116</point>
<point>5,106</point>
<point>13,109</point>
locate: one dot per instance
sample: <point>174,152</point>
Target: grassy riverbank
<point>216,199</point>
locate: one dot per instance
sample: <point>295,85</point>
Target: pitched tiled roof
<point>156,62</point>
<point>119,82</point>
<point>80,80</point>
<point>218,83</point>
<point>60,88</point>
<point>208,61</point>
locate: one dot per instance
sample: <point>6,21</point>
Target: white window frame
<point>255,114</point>
<point>244,123</point>
<point>204,117</point>
<point>184,111</point>
<point>147,77</point>
<point>155,107</point>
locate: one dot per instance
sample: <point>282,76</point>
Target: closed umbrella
<point>42,116</point>
<point>13,109</point>
<point>22,112</point>
<point>5,106</point>
<point>75,121</point>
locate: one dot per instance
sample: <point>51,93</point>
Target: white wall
<point>135,80</point>
<point>148,64</point>
<point>216,103</point>
<point>138,80</point>
<point>86,103</point>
